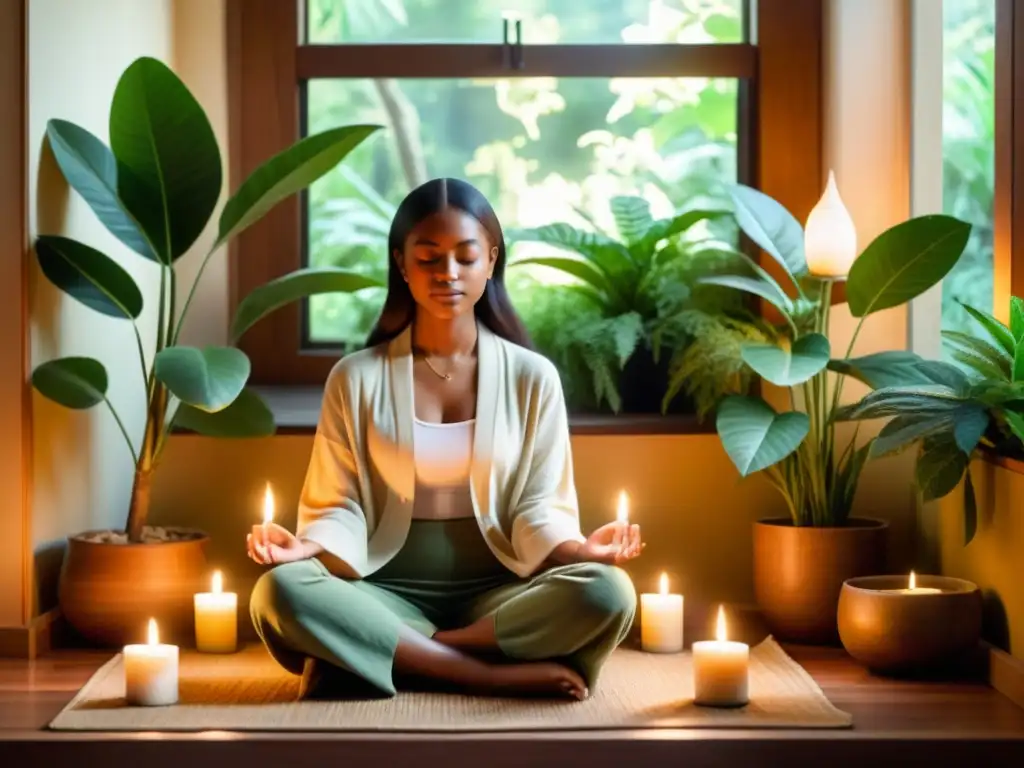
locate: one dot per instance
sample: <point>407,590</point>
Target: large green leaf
<point>665,228</point>
<point>578,268</point>
<point>923,400</point>
<point>632,217</point>
<point>247,416</point>
<point>969,424</point>
<point>91,170</point>
<point>208,379</point>
<point>1017,373</point>
<point>1015,421</point>
<point>807,356</point>
<point>169,166</point>
<point>754,435</point>
<point>608,255</point>
<point>1017,317</point>
<point>286,173</point>
<point>905,261</point>
<point>999,332</point>
<point>88,276</point>
<point>74,382</point>
<point>898,368</point>
<point>771,226</point>
<point>940,466</point>
<point>769,291</point>
<point>905,430</point>
<point>294,286</point>
<point>980,348</point>
<point>981,366</point>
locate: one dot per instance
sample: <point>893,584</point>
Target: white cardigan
<point>357,499</point>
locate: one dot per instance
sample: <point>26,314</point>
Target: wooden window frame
<point>1008,199</point>
<point>780,96</point>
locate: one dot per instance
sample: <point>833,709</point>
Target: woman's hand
<point>612,543</point>
<point>273,545</point>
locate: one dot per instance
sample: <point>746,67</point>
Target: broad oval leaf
<point>292,287</point>
<point>769,291</point>
<point>208,379</point>
<point>91,170</point>
<point>755,436</point>
<point>940,466</point>
<point>74,382</point>
<point>999,332</point>
<point>898,368</point>
<point>247,416</point>
<point>286,173</point>
<point>786,367</point>
<point>905,261</point>
<point>88,276</point>
<point>772,227</point>
<point>168,162</point>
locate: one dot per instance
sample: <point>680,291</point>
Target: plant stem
<point>191,294</point>
<point>139,509</point>
<point>142,358</point>
<point>127,439</point>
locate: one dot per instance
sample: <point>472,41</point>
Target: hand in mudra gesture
<point>274,544</point>
<point>612,543</point>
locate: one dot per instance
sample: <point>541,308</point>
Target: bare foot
<point>536,679</point>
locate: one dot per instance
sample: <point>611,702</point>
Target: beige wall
<point>82,468</point>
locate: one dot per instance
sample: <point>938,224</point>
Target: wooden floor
<point>896,722</point>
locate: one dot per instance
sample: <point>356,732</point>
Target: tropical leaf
<point>970,507</point>
<point>632,217</point>
<point>786,367</point>
<point>983,367</point>
<point>1015,421</point>
<point>208,379</point>
<point>980,348</point>
<point>905,430</point>
<point>294,286</point>
<point>168,161</point>
<point>91,170</point>
<point>1018,362</point>
<point>969,424</point>
<point>940,466</point>
<point>995,329</point>
<point>1017,318</point>
<point>848,478</point>
<point>755,436</point>
<point>247,416</point>
<point>286,173</point>
<point>770,292</point>
<point>772,227</point>
<point>898,368</point>
<point>88,276</point>
<point>924,400</point>
<point>74,382</point>
<point>578,268</point>
<point>608,255</point>
<point>666,228</point>
<point>905,261</point>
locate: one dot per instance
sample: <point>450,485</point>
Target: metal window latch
<point>513,51</point>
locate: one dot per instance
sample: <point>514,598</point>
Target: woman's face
<point>447,260</point>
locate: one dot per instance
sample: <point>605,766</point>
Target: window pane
<point>543,21</point>
<point>968,149</point>
<point>544,150</point>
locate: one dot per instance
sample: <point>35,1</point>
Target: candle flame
<point>622,515</point>
<point>720,635</point>
<point>218,582</point>
<point>913,580</point>
<point>153,636</point>
<point>664,584</point>
<point>268,505</point>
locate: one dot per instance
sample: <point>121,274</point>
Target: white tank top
<point>443,457</point>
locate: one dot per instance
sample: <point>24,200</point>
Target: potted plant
<point>634,294</point>
<point>155,189</point>
<point>949,413</point>
<point>800,562</point>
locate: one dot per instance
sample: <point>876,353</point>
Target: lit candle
<point>216,619</point>
<point>151,672</point>
<point>268,508</point>
<point>622,511</point>
<point>661,620</point>
<point>720,670</point>
<point>830,238</point>
<point>913,589</point>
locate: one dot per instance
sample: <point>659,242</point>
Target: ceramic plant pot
<point>799,573</point>
<point>109,590</point>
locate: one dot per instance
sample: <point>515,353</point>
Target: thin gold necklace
<point>445,376</point>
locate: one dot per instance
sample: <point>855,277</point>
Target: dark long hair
<point>494,309</point>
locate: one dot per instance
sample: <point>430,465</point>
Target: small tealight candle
<point>913,589</point>
<point>661,620</point>
<point>151,672</point>
<point>720,670</point>
<point>216,619</point>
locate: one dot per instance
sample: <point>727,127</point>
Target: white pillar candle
<point>216,619</point>
<point>661,621</point>
<point>720,670</point>
<point>151,672</point>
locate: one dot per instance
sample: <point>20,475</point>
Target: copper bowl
<point>893,632</point>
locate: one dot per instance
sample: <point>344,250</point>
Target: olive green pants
<point>444,577</point>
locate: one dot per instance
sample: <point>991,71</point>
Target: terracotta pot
<point>892,631</point>
<point>108,591</point>
<point>799,572</point>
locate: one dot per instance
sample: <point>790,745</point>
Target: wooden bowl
<point>890,631</point>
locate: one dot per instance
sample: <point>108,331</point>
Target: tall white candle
<point>661,620</point>
<point>216,615</point>
<point>720,670</point>
<point>151,672</point>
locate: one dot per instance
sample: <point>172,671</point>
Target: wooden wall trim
<point>15,395</point>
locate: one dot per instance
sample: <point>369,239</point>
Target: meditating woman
<point>438,532</point>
